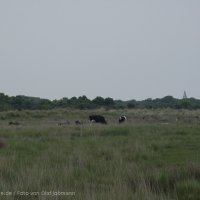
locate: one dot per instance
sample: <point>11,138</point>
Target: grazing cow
<point>77,122</point>
<point>14,123</point>
<point>97,119</point>
<point>122,119</point>
<point>63,123</point>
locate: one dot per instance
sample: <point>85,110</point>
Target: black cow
<point>122,119</point>
<point>63,123</point>
<point>97,119</point>
<point>77,122</point>
<point>14,123</point>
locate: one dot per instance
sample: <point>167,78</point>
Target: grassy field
<point>154,155</point>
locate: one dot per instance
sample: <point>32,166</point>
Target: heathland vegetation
<point>154,155</point>
<point>21,102</point>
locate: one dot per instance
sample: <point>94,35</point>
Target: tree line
<point>21,102</point>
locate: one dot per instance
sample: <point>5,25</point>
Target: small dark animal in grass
<point>14,123</point>
<point>77,122</point>
<point>63,123</point>
<point>122,119</point>
<point>97,119</point>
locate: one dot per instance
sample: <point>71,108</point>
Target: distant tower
<point>184,95</point>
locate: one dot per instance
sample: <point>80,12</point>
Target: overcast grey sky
<point>130,49</point>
